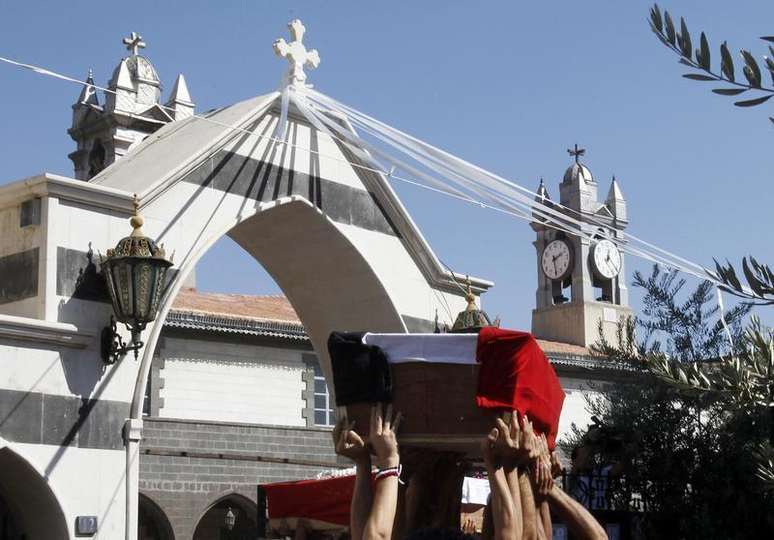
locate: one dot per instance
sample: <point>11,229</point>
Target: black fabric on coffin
<point>361,373</point>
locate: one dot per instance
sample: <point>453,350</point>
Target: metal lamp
<point>471,320</point>
<point>135,273</point>
<point>230,519</point>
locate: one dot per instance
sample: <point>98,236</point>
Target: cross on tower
<point>577,152</point>
<point>134,43</point>
<point>296,53</point>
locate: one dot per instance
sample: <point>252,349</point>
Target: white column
<point>132,436</point>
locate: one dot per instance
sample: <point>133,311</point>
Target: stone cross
<point>577,152</point>
<point>134,43</point>
<point>296,54</point>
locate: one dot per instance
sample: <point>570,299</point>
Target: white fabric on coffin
<point>441,348</point>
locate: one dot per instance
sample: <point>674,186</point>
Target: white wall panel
<point>232,383</point>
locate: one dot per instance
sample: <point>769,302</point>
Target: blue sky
<point>507,85</point>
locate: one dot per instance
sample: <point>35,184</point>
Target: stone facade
<point>187,466</point>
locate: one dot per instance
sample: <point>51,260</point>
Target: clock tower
<point>581,282</point>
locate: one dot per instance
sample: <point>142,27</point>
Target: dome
<point>141,68</point>
<point>576,172</point>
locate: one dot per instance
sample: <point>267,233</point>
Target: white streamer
<point>723,316</point>
<point>502,195</point>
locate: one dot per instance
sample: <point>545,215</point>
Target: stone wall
<point>187,466</point>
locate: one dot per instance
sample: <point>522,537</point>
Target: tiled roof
<point>558,347</point>
<point>238,306</point>
<point>273,316</point>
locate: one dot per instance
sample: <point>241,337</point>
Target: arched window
<point>212,525</point>
<point>152,522</point>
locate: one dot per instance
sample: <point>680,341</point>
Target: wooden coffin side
<point>438,402</point>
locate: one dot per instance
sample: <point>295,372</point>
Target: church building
<point>230,391</point>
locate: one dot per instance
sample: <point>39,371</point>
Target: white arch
<point>380,313</point>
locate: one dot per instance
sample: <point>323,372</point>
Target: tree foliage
<point>680,42</point>
<point>760,281</point>
<point>692,435</point>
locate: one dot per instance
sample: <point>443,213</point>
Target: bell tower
<point>105,132</point>
<point>581,281</point>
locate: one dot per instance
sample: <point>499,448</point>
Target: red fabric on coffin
<point>325,500</point>
<point>516,375</point>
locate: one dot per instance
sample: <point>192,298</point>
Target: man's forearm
<point>512,477</point>
<point>528,513</point>
<point>382,516</point>
<point>502,505</point>
<point>579,521</point>
<point>544,515</point>
<point>362,498</point>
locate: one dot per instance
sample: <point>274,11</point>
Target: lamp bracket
<point>113,346</point>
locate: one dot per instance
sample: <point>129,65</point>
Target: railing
<point>601,492</point>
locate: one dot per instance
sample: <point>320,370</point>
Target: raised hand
<point>381,437</point>
<point>556,466</point>
<point>348,443</point>
<point>541,468</point>
<point>529,440</point>
<point>488,445</point>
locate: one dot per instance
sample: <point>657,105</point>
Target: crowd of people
<point>519,466</point>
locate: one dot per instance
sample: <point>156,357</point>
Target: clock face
<point>606,259</point>
<point>556,259</point>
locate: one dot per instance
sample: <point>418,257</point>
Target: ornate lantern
<point>230,519</point>
<point>472,319</point>
<point>135,273</point>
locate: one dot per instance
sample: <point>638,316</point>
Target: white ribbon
<point>723,316</point>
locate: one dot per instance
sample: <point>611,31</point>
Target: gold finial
<point>469,296</point>
<point>136,220</point>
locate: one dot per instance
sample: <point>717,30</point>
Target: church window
<point>323,410</point>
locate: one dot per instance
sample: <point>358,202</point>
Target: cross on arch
<point>296,53</point>
<point>576,152</point>
<point>134,43</point>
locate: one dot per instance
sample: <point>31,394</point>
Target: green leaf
<point>698,77</point>
<point>752,280</point>
<point>754,102</point>
<point>729,91</point>
<point>669,27</point>
<point>655,18</point>
<point>752,71</point>
<point>685,39</point>
<point>726,62</point>
<point>703,53</point>
<point>770,66</point>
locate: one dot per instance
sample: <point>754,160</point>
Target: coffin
<point>433,380</point>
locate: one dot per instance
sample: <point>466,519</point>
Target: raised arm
<point>511,454</point>
<point>543,482</point>
<point>349,444</point>
<point>384,444</point>
<point>579,521</point>
<point>502,508</point>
